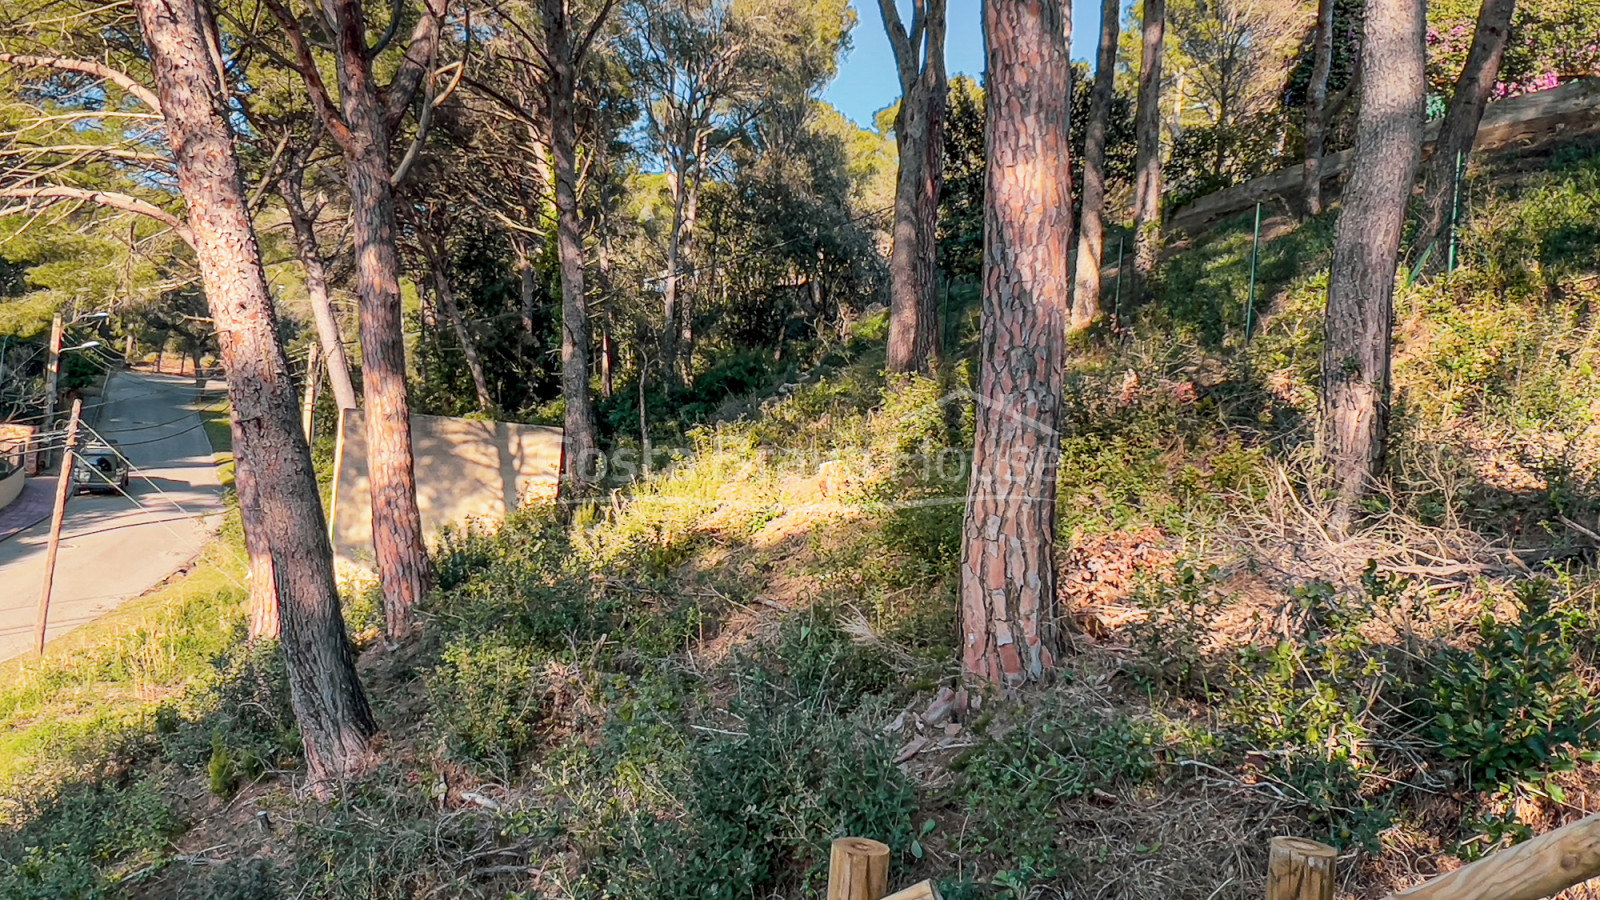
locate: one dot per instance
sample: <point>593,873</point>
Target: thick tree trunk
<point>580,453</point>
<point>329,334</point>
<point>1147,160</point>
<point>264,624</point>
<point>458,324</point>
<point>1460,126</point>
<point>404,571</point>
<point>1091,234</point>
<point>1354,414</point>
<point>919,134</point>
<point>336,723</point>
<point>1317,107</point>
<point>1008,575</point>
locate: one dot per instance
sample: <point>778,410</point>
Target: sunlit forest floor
<point>687,689</point>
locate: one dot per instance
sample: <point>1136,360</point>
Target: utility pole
<point>63,485</point>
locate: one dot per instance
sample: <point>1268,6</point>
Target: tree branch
<point>88,67</point>
<point>420,53</point>
<point>110,199</point>
<point>306,65</point>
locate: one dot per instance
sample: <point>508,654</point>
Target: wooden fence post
<point>858,869</point>
<point>64,483</point>
<point>1298,869</point>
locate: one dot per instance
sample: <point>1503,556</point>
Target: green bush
<point>1512,707</point>
<point>1012,785</point>
<point>489,698</point>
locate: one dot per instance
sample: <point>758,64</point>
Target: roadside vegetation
<point>689,687</point>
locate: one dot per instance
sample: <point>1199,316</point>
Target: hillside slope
<point>687,690</point>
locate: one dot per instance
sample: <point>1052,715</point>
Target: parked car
<point>101,468</point>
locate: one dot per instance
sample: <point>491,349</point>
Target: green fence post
<point>1455,207</point>
<point>1250,300</point>
<point>1116,298</point>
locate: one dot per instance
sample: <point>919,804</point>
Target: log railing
<point>1298,869</point>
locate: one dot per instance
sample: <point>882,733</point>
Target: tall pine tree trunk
<point>336,723</point>
<point>580,453</point>
<point>1091,233</point>
<point>1461,119</point>
<point>1008,577</point>
<point>1147,159</point>
<point>1354,414</point>
<point>404,571</point>
<point>329,335</point>
<point>1317,108</point>
<point>919,134</point>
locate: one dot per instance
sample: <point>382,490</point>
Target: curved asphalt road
<point>112,547</point>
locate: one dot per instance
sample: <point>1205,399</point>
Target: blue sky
<point>867,82</point>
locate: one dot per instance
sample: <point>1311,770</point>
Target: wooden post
<point>1298,869</point>
<point>308,407</point>
<point>1542,867</point>
<point>858,869</point>
<point>63,484</point>
<point>52,374</point>
<point>922,890</point>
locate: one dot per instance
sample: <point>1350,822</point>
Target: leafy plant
<point>1512,707</point>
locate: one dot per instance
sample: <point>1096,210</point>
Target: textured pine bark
<point>336,723</point>
<point>1091,233</point>
<point>1147,156</point>
<point>1317,108</point>
<point>580,454</point>
<point>1354,413</point>
<point>404,571</point>
<point>264,623</point>
<point>1008,575</point>
<point>1461,119</point>
<point>329,335</point>
<point>919,135</point>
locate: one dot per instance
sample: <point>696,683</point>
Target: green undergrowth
<point>688,688</point>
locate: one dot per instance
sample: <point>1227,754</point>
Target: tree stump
<point>1298,869</point>
<point>858,869</point>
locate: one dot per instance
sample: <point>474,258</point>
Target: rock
<point>912,748</point>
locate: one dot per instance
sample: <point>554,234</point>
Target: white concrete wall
<point>466,469</point>
<point>11,487</point>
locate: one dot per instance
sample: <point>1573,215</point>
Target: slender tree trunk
<point>919,134</point>
<point>1354,418</point>
<point>1317,107</point>
<point>329,334</point>
<point>452,311</point>
<point>676,241</point>
<point>1460,126</point>
<point>1147,163</point>
<point>1008,575</point>
<point>529,290</point>
<point>404,571</point>
<point>1091,234</point>
<point>336,723</point>
<point>580,453</point>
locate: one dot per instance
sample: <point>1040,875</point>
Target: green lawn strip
<point>112,674</point>
<point>213,409</point>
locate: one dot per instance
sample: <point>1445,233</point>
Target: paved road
<point>113,548</point>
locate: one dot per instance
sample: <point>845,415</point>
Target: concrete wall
<point>11,486</point>
<point>466,469</point>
